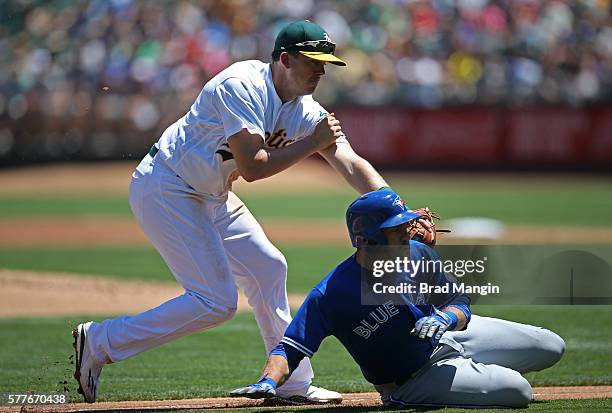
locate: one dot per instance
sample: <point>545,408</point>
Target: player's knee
<point>513,390</point>
<point>550,348</point>
<point>227,313</point>
<point>214,312</point>
<point>219,314</point>
<point>521,392</point>
<point>225,310</point>
<point>555,347</point>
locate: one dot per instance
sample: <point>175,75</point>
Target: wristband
<point>448,316</point>
<point>465,309</point>
<point>268,380</point>
<point>453,319</point>
<point>384,187</point>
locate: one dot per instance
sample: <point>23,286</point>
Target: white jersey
<point>240,97</point>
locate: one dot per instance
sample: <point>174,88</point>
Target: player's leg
<point>260,271</point>
<point>520,347</point>
<point>461,382</point>
<point>181,228</point>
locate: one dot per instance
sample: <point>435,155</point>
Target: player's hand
<point>433,326</point>
<point>263,389</point>
<point>327,131</point>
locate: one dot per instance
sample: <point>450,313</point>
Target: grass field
<point>35,352</point>
<point>567,202</point>
<point>213,362</point>
<point>308,264</point>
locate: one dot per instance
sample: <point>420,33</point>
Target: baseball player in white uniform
<point>253,120</point>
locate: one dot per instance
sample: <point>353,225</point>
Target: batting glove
<point>263,389</point>
<point>434,326</point>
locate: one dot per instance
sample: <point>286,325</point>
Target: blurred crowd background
<point>80,72</point>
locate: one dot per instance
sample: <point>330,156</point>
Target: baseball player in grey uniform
<point>415,353</point>
<point>252,120</point>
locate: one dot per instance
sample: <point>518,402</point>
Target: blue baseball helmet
<point>371,212</point>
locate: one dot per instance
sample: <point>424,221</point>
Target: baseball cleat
<point>88,369</point>
<point>313,395</point>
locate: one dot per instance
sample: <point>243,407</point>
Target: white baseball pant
<point>480,366</point>
<point>210,245</point>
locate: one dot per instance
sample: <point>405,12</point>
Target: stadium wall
<point>462,138</point>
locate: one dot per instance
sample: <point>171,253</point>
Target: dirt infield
<point>101,231</point>
<point>37,294</point>
<point>106,178</point>
<point>350,400</point>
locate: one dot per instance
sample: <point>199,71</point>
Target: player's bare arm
<point>362,176</point>
<point>276,372</point>
<point>277,369</point>
<point>254,161</point>
<point>358,172</point>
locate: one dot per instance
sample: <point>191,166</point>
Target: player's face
<point>306,73</point>
<point>399,235</point>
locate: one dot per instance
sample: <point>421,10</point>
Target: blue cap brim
<point>399,219</point>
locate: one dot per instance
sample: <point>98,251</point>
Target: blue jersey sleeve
<point>309,326</point>
<point>437,276</point>
<point>292,355</point>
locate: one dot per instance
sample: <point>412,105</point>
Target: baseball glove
<point>424,229</point>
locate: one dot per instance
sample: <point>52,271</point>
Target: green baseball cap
<point>309,39</point>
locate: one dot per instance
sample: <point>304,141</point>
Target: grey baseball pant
<point>480,366</point>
